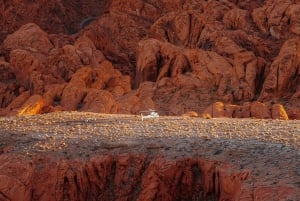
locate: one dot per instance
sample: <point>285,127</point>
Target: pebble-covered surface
<point>270,149</point>
<point>63,128</point>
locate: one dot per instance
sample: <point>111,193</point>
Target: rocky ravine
<point>88,156</point>
<point>173,56</point>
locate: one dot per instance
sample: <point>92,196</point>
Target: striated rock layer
<point>172,56</point>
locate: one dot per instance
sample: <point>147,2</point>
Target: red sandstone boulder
<point>74,93</point>
<point>212,69</point>
<point>293,113</point>
<point>194,53</point>
<point>65,61</point>
<point>12,108</point>
<point>210,72</point>
<point>28,67</point>
<point>116,34</point>
<point>108,78</point>
<point>90,89</point>
<point>30,37</point>
<point>87,52</point>
<point>248,110</point>
<point>283,77</point>
<point>95,89</point>
<point>119,86</point>
<point>215,110</point>
<point>100,101</point>
<point>275,20</point>
<point>260,110</point>
<point>247,69</point>
<point>52,97</point>
<point>138,100</point>
<point>278,112</point>
<point>35,68</point>
<point>207,66</point>
<point>34,105</point>
<point>128,104</point>
<point>237,19</point>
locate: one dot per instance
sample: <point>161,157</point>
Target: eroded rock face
<point>28,36</point>
<point>276,20</point>
<point>284,72</point>
<point>247,110</point>
<point>53,16</point>
<point>132,176</point>
<point>195,53</point>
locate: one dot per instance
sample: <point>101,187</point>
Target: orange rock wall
<point>255,109</point>
<point>118,177</point>
<point>194,53</point>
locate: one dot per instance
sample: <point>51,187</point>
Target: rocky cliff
<point>118,177</point>
<point>173,56</point>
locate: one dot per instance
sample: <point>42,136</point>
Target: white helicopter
<point>151,114</point>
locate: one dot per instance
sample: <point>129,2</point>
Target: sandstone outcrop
<point>34,105</point>
<point>54,16</point>
<point>228,58</point>
<point>276,20</point>
<point>283,76</point>
<point>28,36</point>
<point>247,110</point>
<point>159,179</point>
<point>7,84</point>
<point>195,53</point>
<point>116,35</point>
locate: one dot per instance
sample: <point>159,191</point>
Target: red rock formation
<point>7,85</point>
<point>284,72</point>
<point>225,58</point>
<point>34,105</point>
<point>195,53</point>
<point>248,110</point>
<point>281,193</point>
<point>277,20</point>
<point>53,16</point>
<point>28,36</point>
<point>120,177</point>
